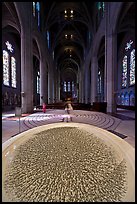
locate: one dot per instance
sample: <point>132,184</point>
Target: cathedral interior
<point>78,59</point>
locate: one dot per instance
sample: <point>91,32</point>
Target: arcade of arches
<point>53,51</point>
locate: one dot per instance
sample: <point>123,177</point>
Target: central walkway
<point>124,128</point>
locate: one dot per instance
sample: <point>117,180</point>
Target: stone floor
<point>123,123</point>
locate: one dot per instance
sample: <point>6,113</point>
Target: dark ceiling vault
<point>69,24</point>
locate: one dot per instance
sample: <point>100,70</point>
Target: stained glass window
<point>132,99</point>
<point>38,12</point>
<point>72,85</point>
<point>132,67</point>
<point>38,83</point>
<point>65,88</point>
<point>124,72</point>
<point>118,99</point>
<point>5,68</point>
<point>13,72</point>
<point>101,8</point>
<point>99,81</point>
<point>48,38</point>
<point>34,11</point>
<point>38,6</point>
<point>9,47</point>
<point>122,99</point>
<point>68,85</point>
<point>126,99</point>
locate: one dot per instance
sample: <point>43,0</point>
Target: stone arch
<point>10,19</point>
<point>98,38</point>
<point>117,13</point>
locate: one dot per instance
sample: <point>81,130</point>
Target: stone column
<point>87,88</point>
<point>77,87</point>
<point>82,87</point>
<point>111,63</point>
<point>43,82</point>
<point>58,86</point>
<point>79,78</point>
<point>27,63</point>
<point>94,75</point>
<point>50,86</point>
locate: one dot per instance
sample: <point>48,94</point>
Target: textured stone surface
<point>65,164</point>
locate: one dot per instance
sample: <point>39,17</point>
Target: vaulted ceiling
<point>69,25</point>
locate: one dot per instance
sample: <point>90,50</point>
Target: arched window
<point>68,85</point>
<point>36,12</point>
<point>73,86</point>
<point>34,8</point>
<point>13,72</point>
<point>99,81</point>
<point>48,38</point>
<point>128,65</point>
<point>65,87</point>
<point>38,82</point>
<point>6,69</point>
<point>122,99</point>
<point>126,99</point>
<point>100,11</point>
<point>132,99</point>
<point>9,66</point>
<point>132,67</point>
<point>124,72</point>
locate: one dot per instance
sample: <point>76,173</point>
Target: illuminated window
<point>128,65</point>
<point>132,67</point>
<point>122,99</point>
<point>38,83</point>
<point>128,45</point>
<point>5,68</point>
<point>9,46</point>
<point>126,99</point>
<point>124,72</point>
<point>9,66</point>
<point>99,81</point>
<point>72,85</point>
<point>101,8</point>
<point>38,12</point>
<point>48,38</point>
<point>34,7</point>
<point>65,88</point>
<point>68,85</point>
<point>100,12</point>
<point>132,99</point>
<point>13,72</point>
